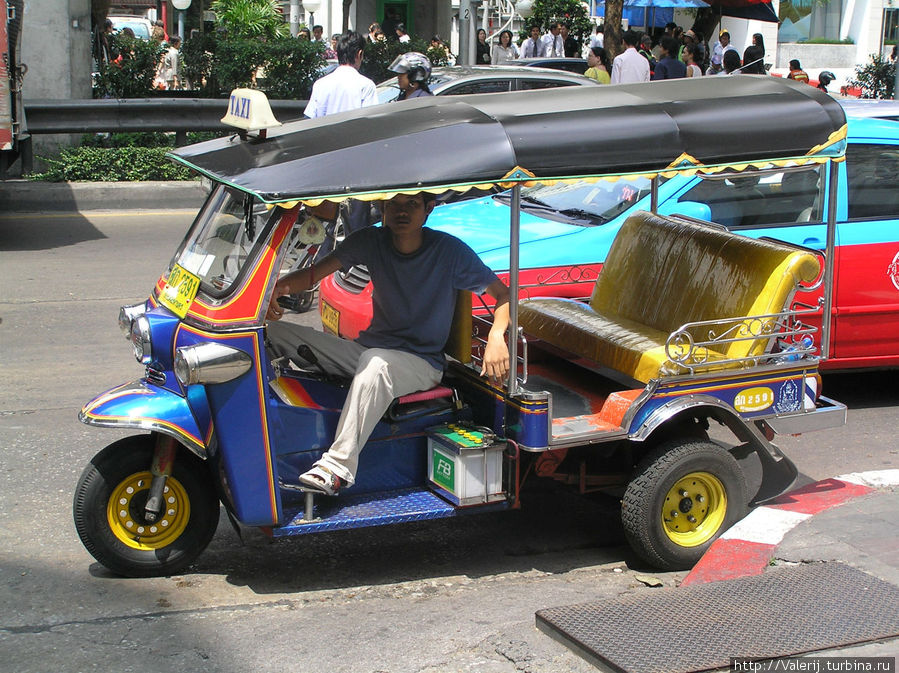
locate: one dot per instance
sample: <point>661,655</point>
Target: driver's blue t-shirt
<point>414,295</point>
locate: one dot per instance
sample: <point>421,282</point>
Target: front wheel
<point>109,510</point>
<point>683,495</point>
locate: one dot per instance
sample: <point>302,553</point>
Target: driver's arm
<point>299,281</point>
<point>496,352</point>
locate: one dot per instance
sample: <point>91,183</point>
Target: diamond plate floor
<point>782,612</point>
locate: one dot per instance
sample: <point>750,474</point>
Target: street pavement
<point>60,618</point>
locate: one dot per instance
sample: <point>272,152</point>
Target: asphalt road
<point>450,595</point>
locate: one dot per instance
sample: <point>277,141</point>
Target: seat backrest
<point>458,345</point>
<point>664,272</point>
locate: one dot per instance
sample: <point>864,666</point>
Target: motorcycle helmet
<point>826,77</point>
<point>416,66</point>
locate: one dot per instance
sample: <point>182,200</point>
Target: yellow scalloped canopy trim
<point>683,165</point>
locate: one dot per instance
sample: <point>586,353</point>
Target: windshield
<point>224,239</point>
<point>585,203</point>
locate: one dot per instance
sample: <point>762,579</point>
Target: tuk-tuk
<point>690,330</point>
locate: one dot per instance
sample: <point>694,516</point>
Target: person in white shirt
<point>630,66</point>
<point>533,46</point>
<point>345,88</point>
<point>554,44</point>
<point>401,33</point>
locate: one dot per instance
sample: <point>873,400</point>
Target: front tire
<point>683,495</point>
<point>109,502</point>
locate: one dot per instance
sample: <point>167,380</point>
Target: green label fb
<point>443,471</point>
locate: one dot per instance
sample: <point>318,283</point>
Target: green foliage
<point>197,56</point>
<point>236,62</point>
<point>827,40</point>
<point>250,18</point>
<point>99,164</point>
<point>876,78</point>
<point>572,12</point>
<point>132,74</point>
<point>291,66</point>
<point>379,55</point>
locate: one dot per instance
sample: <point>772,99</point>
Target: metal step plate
<point>373,509</point>
<point>783,612</point>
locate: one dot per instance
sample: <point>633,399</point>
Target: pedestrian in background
<point>570,44</point>
<point>505,51</point>
<point>598,65</point>
<point>754,56</point>
<point>533,46</point>
<point>693,69</point>
<point>482,49</point>
<point>669,66</point>
<point>796,72</point>
<point>629,67</point>
<point>170,68</point>
<point>552,41</point>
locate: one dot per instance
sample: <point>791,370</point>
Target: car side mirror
<point>694,209</point>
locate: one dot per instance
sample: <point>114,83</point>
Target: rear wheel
<point>109,510</point>
<point>683,495</point>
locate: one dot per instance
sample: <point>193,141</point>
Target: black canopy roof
<point>459,141</point>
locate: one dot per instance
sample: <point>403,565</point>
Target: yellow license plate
<point>180,290</point>
<point>330,318</point>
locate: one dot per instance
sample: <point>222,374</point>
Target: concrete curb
<point>25,195</point>
<point>748,546</point>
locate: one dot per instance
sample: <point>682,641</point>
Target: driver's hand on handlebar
<point>275,310</point>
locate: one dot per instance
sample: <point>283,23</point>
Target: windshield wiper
<point>583,214</point>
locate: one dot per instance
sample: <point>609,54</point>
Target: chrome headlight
<point>210,363</point>
<point>127,314</point>
<point>140,339</point>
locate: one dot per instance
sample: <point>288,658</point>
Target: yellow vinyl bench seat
<point>661,273</point>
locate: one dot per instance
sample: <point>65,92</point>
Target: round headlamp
<point>140,339</point>
<point>127,314</point>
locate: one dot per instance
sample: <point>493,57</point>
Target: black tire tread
<point>637,509</point>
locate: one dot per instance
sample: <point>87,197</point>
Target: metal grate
<point>783,612</point>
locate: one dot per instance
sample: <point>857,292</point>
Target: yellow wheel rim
<point>125,513</point>
<point>694,509</point>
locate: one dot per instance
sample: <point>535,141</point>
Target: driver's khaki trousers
<point>379,375</point>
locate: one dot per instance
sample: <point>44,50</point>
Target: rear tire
<point>683,495</point>
<point>109,518</point>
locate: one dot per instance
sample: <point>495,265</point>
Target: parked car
<point>576,65</point>
<point>467,79</point>
<point>140,25</point>
<point>566,232</point>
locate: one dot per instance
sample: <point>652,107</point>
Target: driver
<point>416,273</point>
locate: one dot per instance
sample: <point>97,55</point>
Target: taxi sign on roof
<point>249,110</point>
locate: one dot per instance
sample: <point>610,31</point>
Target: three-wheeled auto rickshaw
<point>689,330</point>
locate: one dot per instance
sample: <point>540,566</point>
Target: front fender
<point>142,405</point>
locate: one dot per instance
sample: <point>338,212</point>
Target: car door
<point>530,83</point>
<point>495,85</point>
<point>867,297</point>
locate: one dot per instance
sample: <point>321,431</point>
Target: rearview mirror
<point>694,209</point>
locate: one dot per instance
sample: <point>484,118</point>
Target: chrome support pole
<point>654,195</point>
<point>833,174</point>
<point>514,233</point>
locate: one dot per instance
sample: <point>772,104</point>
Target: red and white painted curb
<point>748,546</point>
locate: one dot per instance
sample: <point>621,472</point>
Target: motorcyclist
<point>413,70</point>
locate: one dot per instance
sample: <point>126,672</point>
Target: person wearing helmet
<point>825,78</point>
<point>413,70</point>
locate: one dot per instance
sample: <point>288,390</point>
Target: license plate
<point>180,290</point>
<point>330,318</point>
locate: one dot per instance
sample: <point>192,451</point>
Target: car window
<point>483,86</point>
<point>760,198</point>
<point>872,172</point>
<point>527,84</point>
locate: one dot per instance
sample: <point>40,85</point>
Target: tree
<point>250,19</point>
<point>572,12</point>
<point>611,36</point>
<point>876,79</point>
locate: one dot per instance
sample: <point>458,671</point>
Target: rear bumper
<point>828,414</point>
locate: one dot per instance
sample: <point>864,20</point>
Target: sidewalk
<point>851,519</point>
<point>28,196</point>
